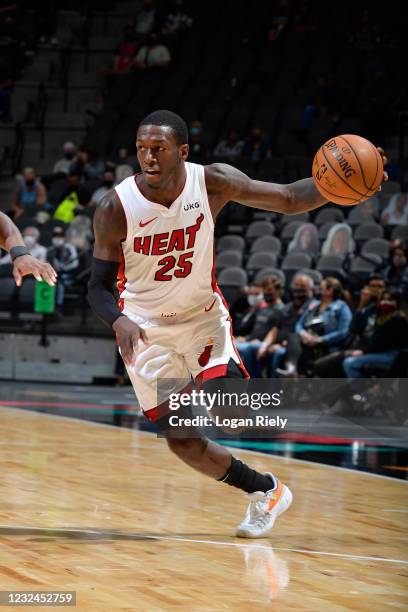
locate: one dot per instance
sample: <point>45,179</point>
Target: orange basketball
<point>347,169</point>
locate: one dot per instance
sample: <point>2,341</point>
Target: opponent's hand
<point>128,335</point>
<point>385,161</point>
<point>27,264</point>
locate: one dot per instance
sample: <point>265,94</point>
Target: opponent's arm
<point>110,231</point>
<point>226,183</point>
<point>23,263</point>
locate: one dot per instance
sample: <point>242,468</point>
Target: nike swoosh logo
<point>141,224</point>
<point>208,309</point>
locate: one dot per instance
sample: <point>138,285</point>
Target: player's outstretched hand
<point>385,161</point>
<point>128,335</point>
<point>27,264</point>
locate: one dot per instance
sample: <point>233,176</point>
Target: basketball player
<point>23,263</point>
<point>155,232</point>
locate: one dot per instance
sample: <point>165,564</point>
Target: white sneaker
<point>263,510</point>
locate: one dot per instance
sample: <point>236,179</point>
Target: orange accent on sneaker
<point>276,496</point>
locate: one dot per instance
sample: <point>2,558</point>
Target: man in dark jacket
<point>390,335</point>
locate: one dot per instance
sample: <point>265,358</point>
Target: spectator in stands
<point>63,165</point>
<point>339,240</point>
<point>107,184</point>
<point>322,328</point>
<point>30,195</point>
<point>63,256</point>
<point>125,53</point>
<point>396,273</point>
<point>73,198</point>
<point>231,147</point>
<point>87,165</point>
<point>244,308</point>
<point>305,240</point>
<point>31,237</point>
<point>396,213</point>
<point>176,20</point>
<point>6,88</point>
<point>281,339</point>
<point>121,172</point>
<point>389,336</point>
<point>199,145</point>
<point>256,146</point>
<point>360,330</point>
<point>153,55</point>
<point>370,292</point>
<point>265,319</point>
<point>145,19</point>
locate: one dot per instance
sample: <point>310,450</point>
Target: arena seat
<point>271,244</point>
<point>270,272</point>
<point>231,243</point>
<point>230,280</point>
<point>228,258</point>
<point>259,228</point>
<point>365,231</point>
<point>329,214</point>
<point>378,246</point>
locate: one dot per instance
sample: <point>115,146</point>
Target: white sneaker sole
<point>246,531</point>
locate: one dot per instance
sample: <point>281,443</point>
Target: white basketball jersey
<point>168,253</point>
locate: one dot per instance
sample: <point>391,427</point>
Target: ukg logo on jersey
<point>191,206</point>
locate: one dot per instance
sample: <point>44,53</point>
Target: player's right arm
<point>110,231</point>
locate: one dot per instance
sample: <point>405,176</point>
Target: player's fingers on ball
<point>385,176</point>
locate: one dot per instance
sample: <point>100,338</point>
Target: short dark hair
<point>169,119</point>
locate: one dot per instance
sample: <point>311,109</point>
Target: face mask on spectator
<point>58,242</point>
<point>30,182</point>
<point>108,184</point>
<point>255,300</point>
<point>69,155</point>
<point>269,297</point>
<point>194,131</point>
<point>299,294</point>
<point>386,306</point>
<point>29,241</point>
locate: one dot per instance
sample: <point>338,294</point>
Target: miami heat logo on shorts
<point>204,358</point>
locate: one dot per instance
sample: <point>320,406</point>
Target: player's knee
<point>190,450</point>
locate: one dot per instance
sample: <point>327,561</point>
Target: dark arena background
<point>95,512</point>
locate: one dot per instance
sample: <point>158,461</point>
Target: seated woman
<point>306,240</point>
<point>30,196</point>
<point>389,336</point>
<point>396,213</point>
<point>339,240</point>
<point>322,328</point>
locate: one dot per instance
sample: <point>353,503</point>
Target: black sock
<point>245,478</point>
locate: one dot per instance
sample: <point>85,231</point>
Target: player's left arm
<point>23,263</point>
<point>225,183</point>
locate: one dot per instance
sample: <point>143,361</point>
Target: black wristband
<point>18,251</point>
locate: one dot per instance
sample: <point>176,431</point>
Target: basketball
<point>347,169</point>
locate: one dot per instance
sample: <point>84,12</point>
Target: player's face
<point>159,155</point>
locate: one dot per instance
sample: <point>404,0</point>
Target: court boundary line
<point>169,538</point>
<point>231,449</point>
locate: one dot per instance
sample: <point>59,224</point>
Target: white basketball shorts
<point>198,345</point>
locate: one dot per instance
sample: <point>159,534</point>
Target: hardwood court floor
<point>112,515</point>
